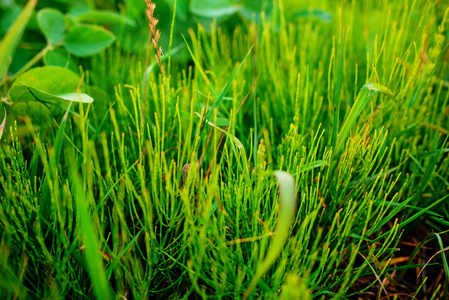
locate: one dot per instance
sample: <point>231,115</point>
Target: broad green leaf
<point>366,93</point>
<point>104,17</point>
<point>59,58</point>
<point>13,36</point>
<point>52,24</point>
<point>287,211</point>
<point>84,40</point>
<point>52,80</point>
<point>213,9</point>
<point>41,90</point>
<point>22,92</point>
<point>76,97</point>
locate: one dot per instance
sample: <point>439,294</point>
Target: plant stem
<point>29,64</point>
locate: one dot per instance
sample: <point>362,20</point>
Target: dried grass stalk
<point>156,34</point>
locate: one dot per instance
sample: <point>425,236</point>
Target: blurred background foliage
<point>128,22</point>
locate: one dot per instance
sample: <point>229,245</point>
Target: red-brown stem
<point>367,123</point>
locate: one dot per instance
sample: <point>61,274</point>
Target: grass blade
<point>13,36</point>
<point>45,205</point>
<point>443,258</point>
<point>423,211</point>
<point>336,97</point>
<point>365,94</point>
<point>92,251</point>
<point>287,198</point>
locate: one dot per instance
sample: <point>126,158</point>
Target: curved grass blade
<point>443,257</point>
<point>366,93</point>
<point>287,198</point>
<point>375,274</point>
<point>423,211</point>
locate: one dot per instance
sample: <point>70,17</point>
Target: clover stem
<point>29,64</point>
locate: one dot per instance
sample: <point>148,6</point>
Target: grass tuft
<point>163,186</point>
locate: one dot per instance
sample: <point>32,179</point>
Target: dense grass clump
<point>295,154</point>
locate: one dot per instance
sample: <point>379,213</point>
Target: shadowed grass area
<point>302,156</point>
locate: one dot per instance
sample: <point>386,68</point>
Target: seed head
<point>154,32</point>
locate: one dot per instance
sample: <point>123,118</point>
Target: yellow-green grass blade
<point>13,36</point>
<point>287,210</point>
<point>94,260</point>
<point>365,94</point>
<point>336,118</point>
<point>45,205</point>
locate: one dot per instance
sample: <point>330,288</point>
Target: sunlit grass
<point>352,118</point>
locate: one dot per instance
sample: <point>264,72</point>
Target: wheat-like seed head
<point>155,32</point>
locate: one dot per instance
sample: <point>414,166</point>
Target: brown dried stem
<point>153,38</point>
<point>156,34</point>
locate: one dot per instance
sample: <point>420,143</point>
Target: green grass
<point>356,110</point>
